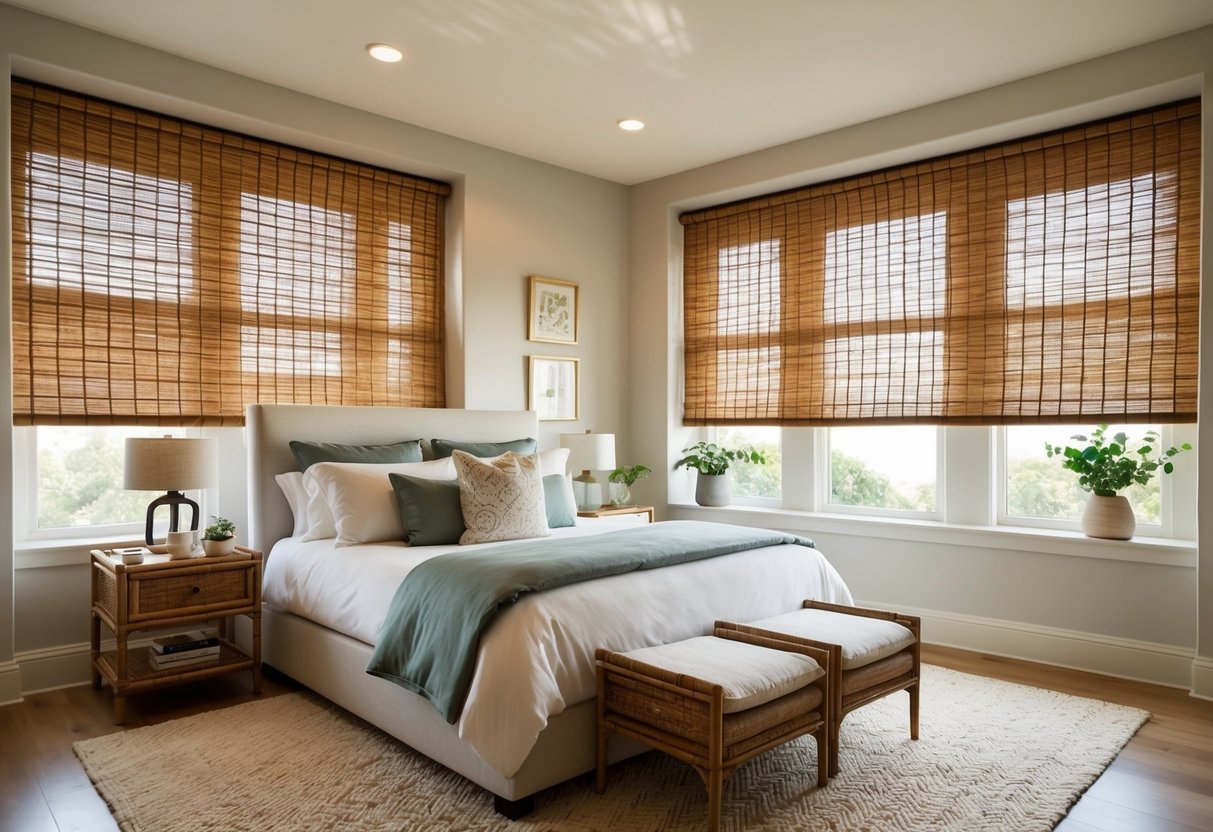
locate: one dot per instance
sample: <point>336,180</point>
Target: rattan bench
<point>876,652</point>
<point>715,702</point>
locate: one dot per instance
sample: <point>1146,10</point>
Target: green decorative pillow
<point>443,447</point>
<point>308,454</point>
<point>429,510</point>
<point>558,501</point>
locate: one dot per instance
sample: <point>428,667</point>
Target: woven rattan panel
<point>1053,279</point>
<point>170,273</point>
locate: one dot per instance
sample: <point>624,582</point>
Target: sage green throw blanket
<point>429,639</point>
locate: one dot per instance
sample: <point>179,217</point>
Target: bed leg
<point>514,809</point>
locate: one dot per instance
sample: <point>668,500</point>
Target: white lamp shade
<point>589,451</point>
<point>168,464</point>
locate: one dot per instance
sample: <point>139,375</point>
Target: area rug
<point>992,756</point>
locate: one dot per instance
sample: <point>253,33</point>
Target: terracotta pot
<point>214,548</point>
<point>713,490</point>
<point>1110,518</point>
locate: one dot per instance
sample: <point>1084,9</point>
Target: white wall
<point>508,218</point>
<point>1135,617</point>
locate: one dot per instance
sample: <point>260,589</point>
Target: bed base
<point>334,666</point>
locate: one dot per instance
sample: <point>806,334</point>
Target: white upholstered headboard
<point>269,428</point>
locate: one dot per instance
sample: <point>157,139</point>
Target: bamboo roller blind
<point>1053,279</point>
<point>169,273</point>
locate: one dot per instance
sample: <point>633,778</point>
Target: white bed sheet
<point>537,657</point>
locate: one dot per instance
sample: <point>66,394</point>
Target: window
<point>1051,279</point>
<point>72,483</point>
<point>169,273</point>
<point>749,481</point>
<point>1037,491</point>
<point>893,469</point>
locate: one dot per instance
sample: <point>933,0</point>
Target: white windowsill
<point>1151,550</point>
<point>64,551</point>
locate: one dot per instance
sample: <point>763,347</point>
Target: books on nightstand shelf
<point>185,642</point>
<point>184,649</point>
<point>168,661</point>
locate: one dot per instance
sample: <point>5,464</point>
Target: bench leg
<point>913,691</point>
<point>715,780</point>
<point>824,748</point>
<point>601,766</point>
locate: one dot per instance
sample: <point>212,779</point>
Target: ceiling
<point>712,79</point>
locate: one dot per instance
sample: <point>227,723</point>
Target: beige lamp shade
<point>169,464</point>
<point>589,451</point>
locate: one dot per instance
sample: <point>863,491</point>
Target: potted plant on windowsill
<point>622,479</point>
<point>712,462</point>
<point>219,538</point>
<point>1105,467</point>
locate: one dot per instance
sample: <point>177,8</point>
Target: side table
<point>163,593</point>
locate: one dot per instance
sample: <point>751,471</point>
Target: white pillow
<point>501,498</point>
<point>291,484</point>
<point>320,522</point>
<point>361,498</point>
<point>555,461</point>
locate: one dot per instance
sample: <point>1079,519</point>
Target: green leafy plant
<point>628,474</point>
<point>710,458</point>
<point>220,529</point>
<point>1107,465</point>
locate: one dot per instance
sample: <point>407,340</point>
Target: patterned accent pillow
<point>501,498</point>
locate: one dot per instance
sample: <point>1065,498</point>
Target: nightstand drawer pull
<point>197,589</point>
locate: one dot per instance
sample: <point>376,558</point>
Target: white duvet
<point>537,657</point>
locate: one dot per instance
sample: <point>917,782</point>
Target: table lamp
<point>171,465</point>
<point>590,452</point>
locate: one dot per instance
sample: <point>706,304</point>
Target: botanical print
<point>553,312</point>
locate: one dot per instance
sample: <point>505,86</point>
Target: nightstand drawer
<point>176,595</point>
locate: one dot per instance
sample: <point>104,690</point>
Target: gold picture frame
<point>554,387</point>
<point>553,312</point>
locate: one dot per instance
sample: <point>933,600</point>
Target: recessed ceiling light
<point>384,52</point>
<point>631,124</point>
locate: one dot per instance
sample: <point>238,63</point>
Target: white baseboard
<point>52,668</point>
<point>10,682</point>
<point>64,666</point>
<point>1142,661</point>
<point>33,671</point>
<point>1202,677</point>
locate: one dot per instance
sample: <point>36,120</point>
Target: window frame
<point>824,475</point>
<point>25,499</point>
<point>1176,492</point>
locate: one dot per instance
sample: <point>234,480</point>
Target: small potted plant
<point>219,538</point>
<point>1105,467</point>
<point>622,479</point>
<point>712,462</point>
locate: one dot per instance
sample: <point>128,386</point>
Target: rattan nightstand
<point>161,593</point>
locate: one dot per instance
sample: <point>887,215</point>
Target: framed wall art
<point>553,311</point>
<point>552,387</point>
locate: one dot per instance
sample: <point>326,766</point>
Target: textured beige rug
<point>993,756</point>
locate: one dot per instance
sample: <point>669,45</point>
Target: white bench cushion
<point>863,640</point>
<point>750,675</point>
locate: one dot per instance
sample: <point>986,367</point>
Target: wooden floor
<point>1161,782</point>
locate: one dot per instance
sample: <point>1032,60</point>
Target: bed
<point>528,722</point>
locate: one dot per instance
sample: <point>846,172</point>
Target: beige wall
<point>1039,601</point>
<point>511,217</point>
<point>508,218</point>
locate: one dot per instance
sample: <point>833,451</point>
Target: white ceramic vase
<point>1108,517</point>
<point>215,548</point>
<point>713,490</point>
